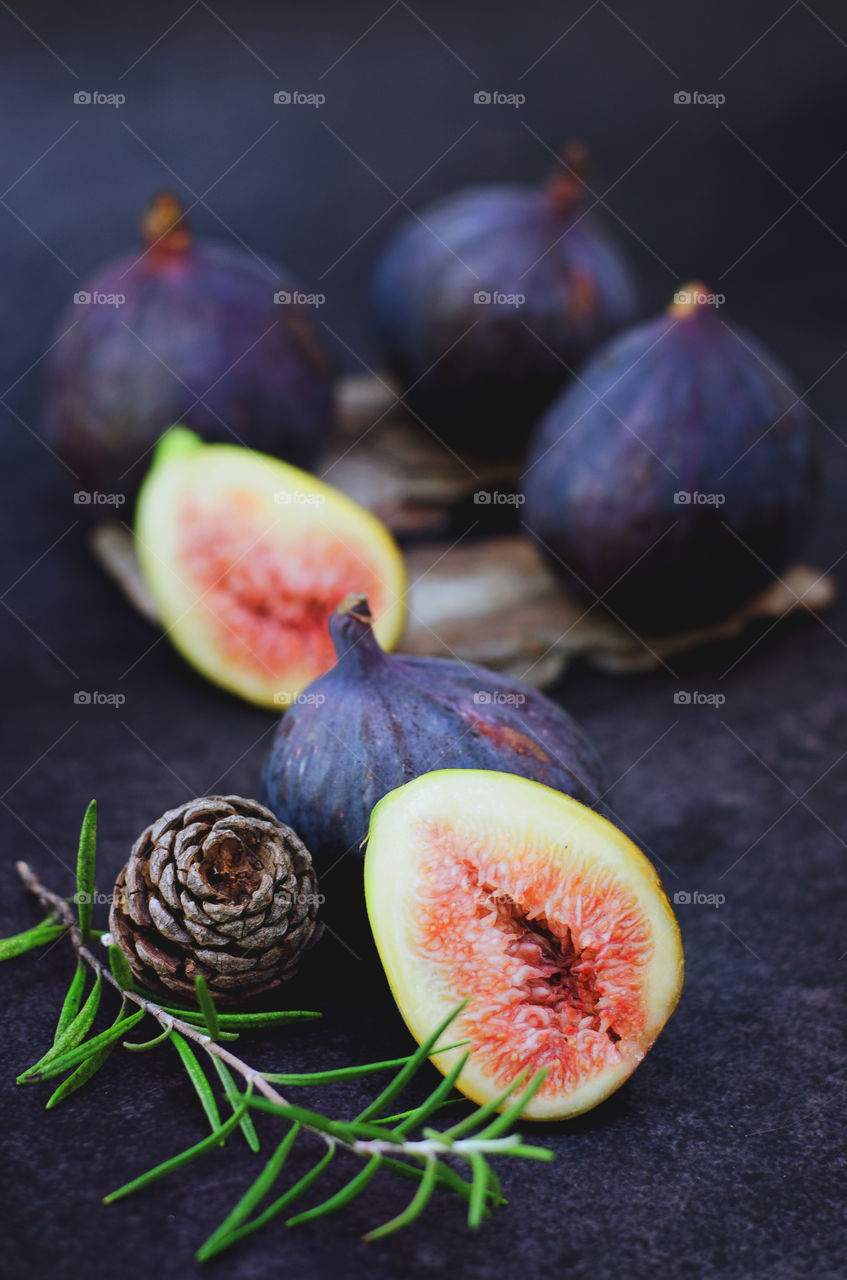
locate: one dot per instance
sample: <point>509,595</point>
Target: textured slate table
<point>724,1156</point>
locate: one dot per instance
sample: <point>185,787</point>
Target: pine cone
<point>216,887</point>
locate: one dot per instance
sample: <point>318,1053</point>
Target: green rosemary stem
<point>168,1021</point>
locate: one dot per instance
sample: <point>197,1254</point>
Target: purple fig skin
<point>683,406</point>
<point>198,341</point>
<point>480,374</point>
<point>377,720</point>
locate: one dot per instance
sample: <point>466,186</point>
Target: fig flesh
<point>552,925</point>
<point>485,302</point>
<point>246,557</point>
<point>675,481</point>
<point>376,720</point>
<point>184,331</point>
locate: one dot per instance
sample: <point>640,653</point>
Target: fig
<point>495,890</point>
<point>245,558</point>
<point>183,331</point>
<point>486,301</point>
<point>677,478</point>
<point>376,720</point>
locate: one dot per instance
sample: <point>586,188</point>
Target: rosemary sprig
<point>382,1142</point>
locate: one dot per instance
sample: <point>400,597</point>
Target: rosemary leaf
<point>487,1109</point>
<point>81,1076</point>
<point>531,1153</point>
<point>121,971</point>
<point>72,1001</point>
<point>85,869</point>
<point>144,1045</point>
<point>287,1198</point>
<point>330,1077</point>
<point>74,1056</point>
<point>231,1090</point>
<point>446,1177</point>
<point>215,1139</point>
<point>207,1006</point>
<point>72,1035</point>
<point>435,1100</point>
<point>243,1021</point>
<point>508,1117</point>
<point>341,1198</point>
<point>405,1074</point>
<point>479,1189</point>
<point>28,941</point>
<point>254,1194</point>
<point>344,1073</point>
<point>197,1076</point>
<point>414,1208</point>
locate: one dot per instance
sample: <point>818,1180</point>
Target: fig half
<point>246,557</point>
<point>554,927</point>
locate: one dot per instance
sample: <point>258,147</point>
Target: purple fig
<point>184,332</point>
<point>676,479</point>
<point>377,720</point>
<point>486,302</point>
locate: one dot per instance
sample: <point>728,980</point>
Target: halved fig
<point>246,557</point>
<point>544,916</point>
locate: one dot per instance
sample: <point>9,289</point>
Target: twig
<point>168,1020</point>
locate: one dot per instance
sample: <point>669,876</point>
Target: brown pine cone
<point>217,887</point>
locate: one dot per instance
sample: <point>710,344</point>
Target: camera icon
<point>82,698</point>
<point>683,297</point>
<point>82,298</point>
<point>282,98</point>
<point>682,698</point>
<point>682,98</point>
<point>82,498</point>
<point>482,98</point>
<point>482,498</point>
<point>682,498</point>
<point>481,698</point>
<point>482,298</point>
<point>82,98</point>
<point>682,898</point>
<point>283,698</point>
<point>282,297</point>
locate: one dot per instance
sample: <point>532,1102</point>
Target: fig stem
<point>164,226</point>
<point>352,634</point>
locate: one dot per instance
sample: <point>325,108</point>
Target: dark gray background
<point>724,1154</point>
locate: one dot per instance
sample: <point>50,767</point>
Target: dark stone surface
<point>724,1155</point>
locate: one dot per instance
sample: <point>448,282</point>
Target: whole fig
<point>377,720</point>
<point>189,332</point>
<point>675,480</point>
<point>485,302</point>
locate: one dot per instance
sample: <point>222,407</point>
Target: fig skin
<point>199,320</point>
<point>377,720</point>
<point>683,404</point>
<point>479,375</point>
